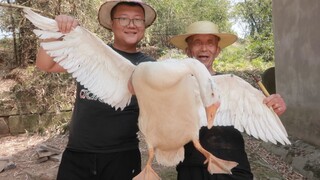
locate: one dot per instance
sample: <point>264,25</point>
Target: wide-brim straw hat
<point>203,27</point>
<point>104,15</point>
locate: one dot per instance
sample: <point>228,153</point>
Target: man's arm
<point>44,61</point>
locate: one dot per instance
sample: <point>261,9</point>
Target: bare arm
<point>45,63</point>
<point>43,60</point>
<point>276,102</point>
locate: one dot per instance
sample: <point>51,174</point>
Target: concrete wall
<point>297,61</point>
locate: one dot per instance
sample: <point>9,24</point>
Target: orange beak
<point>211,113</point>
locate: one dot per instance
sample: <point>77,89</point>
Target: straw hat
<point>104,15</point>
<point>203,27</point>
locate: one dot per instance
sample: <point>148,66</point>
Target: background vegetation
<point>173,16</point>
<point>253,52</point>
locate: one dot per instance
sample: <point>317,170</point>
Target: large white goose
<point>176,97</point>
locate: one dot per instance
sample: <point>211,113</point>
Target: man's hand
<point>276,102</point>
<point>66,23</point>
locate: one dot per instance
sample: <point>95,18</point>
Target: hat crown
<point>104,14</point>
<point>202,27</point>
<point>137,1</point>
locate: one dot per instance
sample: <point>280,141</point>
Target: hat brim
<point>104,15</point>
<point>226,39</point>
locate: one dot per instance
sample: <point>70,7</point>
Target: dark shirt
<point>224,142</point>
<point>99,128</point>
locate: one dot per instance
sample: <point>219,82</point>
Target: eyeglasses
<point>126,21</point>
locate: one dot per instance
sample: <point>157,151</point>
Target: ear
<point>188,52</point>
<point>112,25</point>
<point>217,52</point>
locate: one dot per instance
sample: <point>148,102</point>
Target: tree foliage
<point>257,14</point>
<point>24,41</point>
<point>175,15</point>
<point>172,18</point>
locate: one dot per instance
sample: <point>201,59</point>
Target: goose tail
<point>169,158</point>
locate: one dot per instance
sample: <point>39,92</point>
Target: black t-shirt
<point>99,128</point>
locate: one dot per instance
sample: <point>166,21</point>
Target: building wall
<point>297,62</point>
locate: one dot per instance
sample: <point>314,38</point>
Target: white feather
<point>89,59</point>
<point>47,34</point>
<point>39,20</point>
<point>242,106</point>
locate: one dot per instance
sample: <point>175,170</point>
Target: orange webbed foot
<point>147,174</point>
<point>215,165</point>
<point>218,166</point>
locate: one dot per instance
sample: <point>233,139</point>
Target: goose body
<point>175,97</point>
<point>162,110</point>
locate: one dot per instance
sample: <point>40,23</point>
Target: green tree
<point>257,15</point>
<point>23,40</point>
<point>175,15</point>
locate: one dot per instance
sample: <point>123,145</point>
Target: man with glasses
<point>103,142</point>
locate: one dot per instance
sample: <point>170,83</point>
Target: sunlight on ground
<point>12,144</point>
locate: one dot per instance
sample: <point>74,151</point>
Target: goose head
<point>208,88</point>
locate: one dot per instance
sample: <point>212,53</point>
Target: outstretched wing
<point>242,106</point>
<point>95,65</point>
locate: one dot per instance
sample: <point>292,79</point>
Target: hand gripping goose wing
<point>95,65</point>
<point>242,106</point>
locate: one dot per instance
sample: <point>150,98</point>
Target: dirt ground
<point>21,150</point>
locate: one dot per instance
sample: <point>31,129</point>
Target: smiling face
<point>127,37</point>
<point>203,47</point>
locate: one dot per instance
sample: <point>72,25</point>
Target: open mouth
<point>131,32</point>
<point>203,58</point>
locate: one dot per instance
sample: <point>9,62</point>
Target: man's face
<point>203,47</point>
<point>129,35</point>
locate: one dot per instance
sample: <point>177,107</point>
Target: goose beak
<point>211,113</point>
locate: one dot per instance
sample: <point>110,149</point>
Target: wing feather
<point>38,20</point>
<point>91,62</point>
<point>242,106</point>
<point>47,34</point>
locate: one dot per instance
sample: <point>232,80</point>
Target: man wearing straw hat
<point>204,42</point>
<point>103,142</point>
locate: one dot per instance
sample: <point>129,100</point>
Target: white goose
<point>172,95</point>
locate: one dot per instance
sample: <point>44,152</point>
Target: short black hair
<point>126,3</point>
